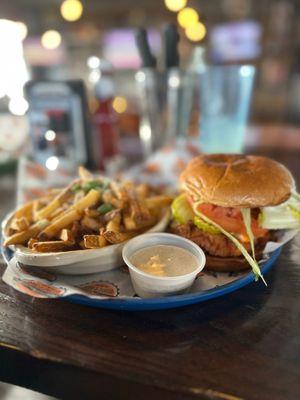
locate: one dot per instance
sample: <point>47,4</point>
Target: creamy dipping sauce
<point>164,260</point>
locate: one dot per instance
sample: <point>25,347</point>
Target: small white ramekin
<point>146,285</point>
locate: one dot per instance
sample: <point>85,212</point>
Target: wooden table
<point>245,345</point>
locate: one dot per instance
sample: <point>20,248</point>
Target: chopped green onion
<point>246,213</point>
<point>105,184</point>
<point>105,208</point>
<point>251,261</point>
<point>76,187</point>
<point>91,185</point>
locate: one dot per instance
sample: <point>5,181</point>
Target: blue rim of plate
<point>139,304</point>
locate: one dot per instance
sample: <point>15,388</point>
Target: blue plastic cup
<point>225,95</point>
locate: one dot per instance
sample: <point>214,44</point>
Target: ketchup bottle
<point>104,118</point>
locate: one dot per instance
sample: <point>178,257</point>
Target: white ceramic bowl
<point>77,262</point>
<point>146,285</point>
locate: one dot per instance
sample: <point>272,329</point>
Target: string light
<point>94,75</point>
<point>18,106</point>
<point>51,39</point>
<point>50,135</point>
<point>71,10</point>
<point>13,71</point>
<point>187,17</point>
<point>93,62</point>
<point>175,5</point>
<point>119,104</point>
<point>195,32</point>
<point>52,163</point>
<point>22,29</point>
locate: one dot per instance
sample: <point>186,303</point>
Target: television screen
<point>235,41</point>
<point>120,49</point>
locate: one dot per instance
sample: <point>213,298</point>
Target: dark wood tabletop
<point>244,345</point>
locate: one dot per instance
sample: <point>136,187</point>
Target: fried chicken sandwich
<point>231,205</point>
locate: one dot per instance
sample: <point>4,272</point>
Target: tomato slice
<point>231,219</point>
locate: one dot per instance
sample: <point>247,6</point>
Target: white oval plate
<point>77,262</point>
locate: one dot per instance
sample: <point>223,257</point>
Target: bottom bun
<point>228,264</point>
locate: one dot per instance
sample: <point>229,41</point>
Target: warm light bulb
<point>71,10</point>
<point>186,17</point>
<point>119,104</point>
<point>195,32</point>
<point>51,39</point>
<point>175,5</point>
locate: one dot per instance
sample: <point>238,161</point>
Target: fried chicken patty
<point>215,245</point>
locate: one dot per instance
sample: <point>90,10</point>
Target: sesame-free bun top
<point>236,180</point>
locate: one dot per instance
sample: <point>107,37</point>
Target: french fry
<point>134,225</point>
<point>35,208</point>
<point>25,211</point>
<point>138,209</point>
<point>128,185</point>
<point>121,194</point>
<point>78,196</point>
<point>142,190</point>
<point>102,241</point>
<point>76,230</point>
<point>81,244</point>
<point>91,213</point>
<point>31,242</point>
<point>67,236</point>
<point>114,224</point>
<point>117,237</point>
<point>129,223</point>
<point>160,201</point>
<point>94,241</point>
<point>54,191</point>
<point>23,237</point>
<point>108,197</point>
<point>114,214</point>
<point>57,213</point>
<point>60,223</point>
<point>20,224</point>
<point>84,174</point>
<point>51,246</point>
<point>56,202</point>
<point>89,200</point>
<point>90,223</point>
<point>10,231</point>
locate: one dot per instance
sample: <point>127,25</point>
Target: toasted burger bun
<point>237,180</point>
<point>227,264</point>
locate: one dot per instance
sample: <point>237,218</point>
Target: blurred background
<point>72,39</point>
<point>71,85</point>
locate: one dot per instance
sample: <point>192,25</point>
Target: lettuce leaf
<point>255,267</point>
<point>284,216</point>
<point>295,195</point>
<point>295,212</point>
<point>246,213</point>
